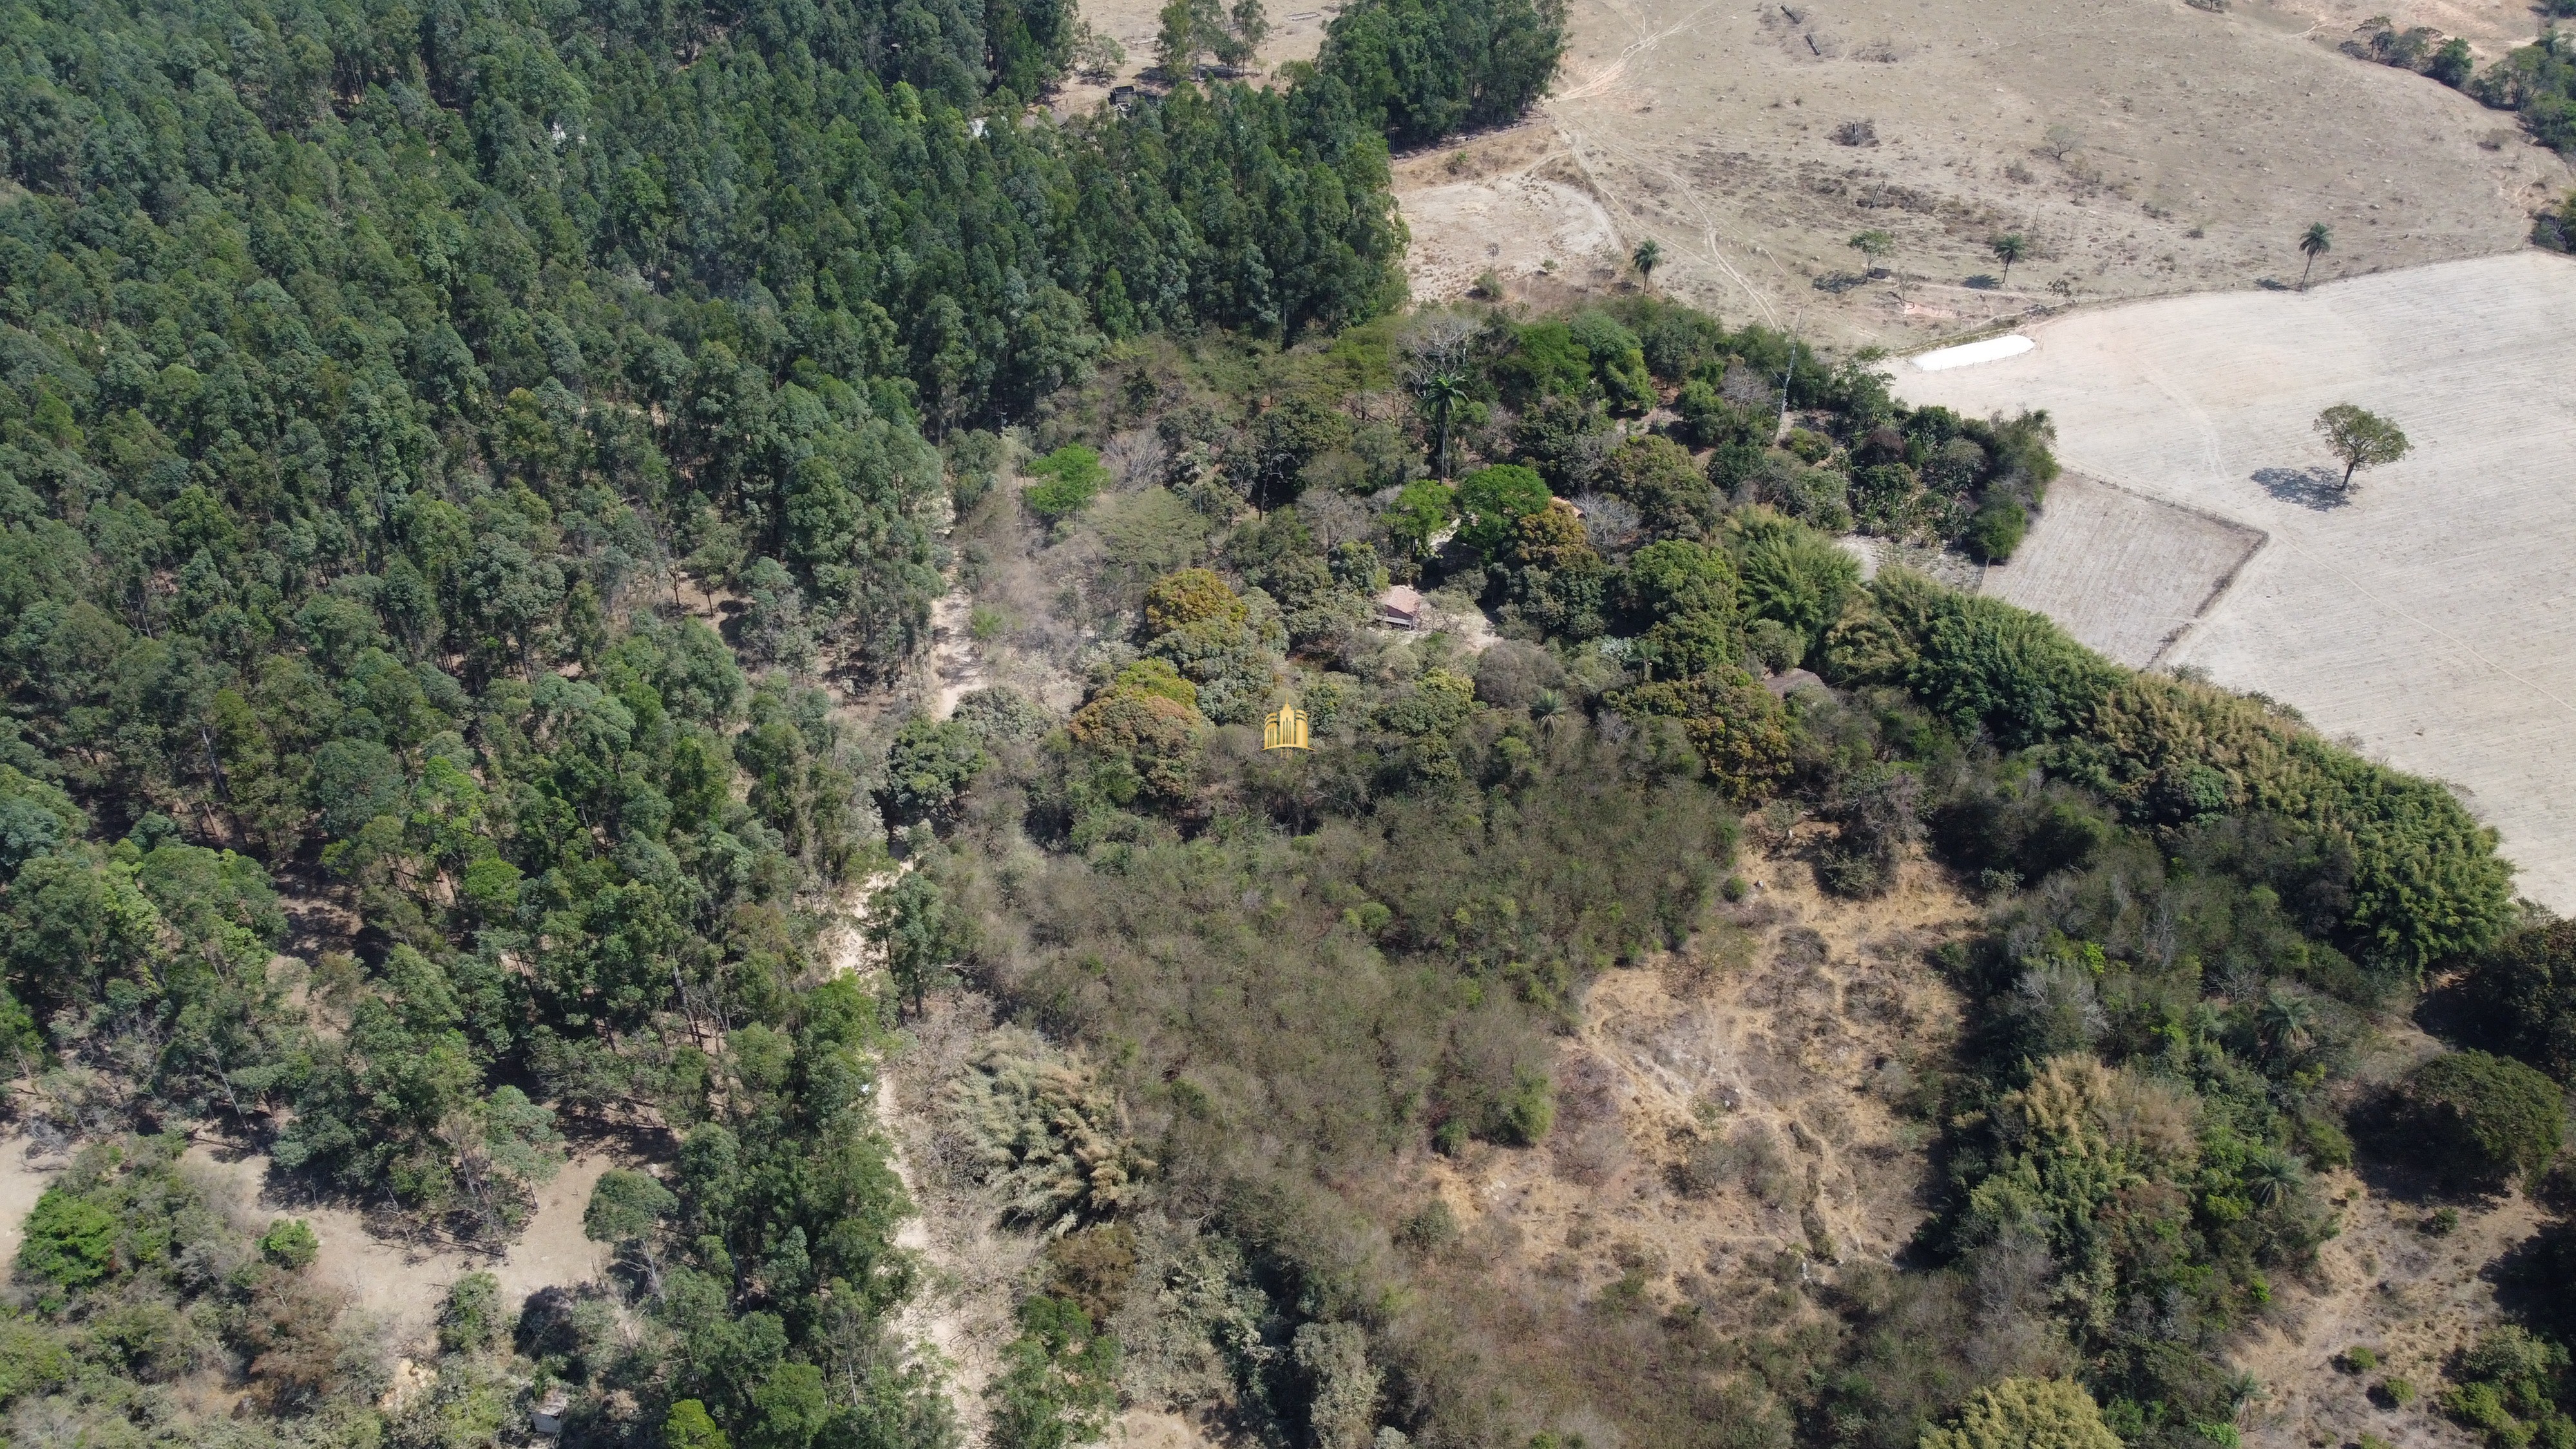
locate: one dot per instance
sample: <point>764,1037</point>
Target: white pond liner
<point>1968,354</point>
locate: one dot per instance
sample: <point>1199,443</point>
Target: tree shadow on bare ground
<point>2319,488</point>
<point>2529,1277</point>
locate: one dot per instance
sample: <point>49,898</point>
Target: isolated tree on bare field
<point>2360,439</point>
<point>1436,351</point>
<point>2008,249</point>
<point>2060,142</point>
<point>1648,256</point>
<point>2318,240</point>
<point>1873,246</point>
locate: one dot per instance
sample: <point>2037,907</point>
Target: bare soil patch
<point>2422,614</point>
<point>26,1167</point>
<point>1719,1112</point>
<point>1296,33</point>
<point>2125,573</point>
<point>398,1280</point>
<point>2143,148</point>
<point>1531,228</point>
<point>2386,1284</point>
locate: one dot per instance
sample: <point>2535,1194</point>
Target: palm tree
<point>2008,249</point>
<point>2318,241</point>
<point>1441,389</point>
<point>2287,1022</point>
<point>1437,348</point>
<point>2273,1175</point>
<point>1648,256</point>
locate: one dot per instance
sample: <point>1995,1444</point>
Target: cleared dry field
<point>1295,34</point>
<point>2125,573</point>
<point>2428,615</point>
<point>2198,147</point>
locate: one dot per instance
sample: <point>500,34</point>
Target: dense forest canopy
<point>456,461</point>
<point>380,382</point>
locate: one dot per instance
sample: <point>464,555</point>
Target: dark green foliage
<point>1295,968</point>
<point>1059,1380</point>
<point>289,1243</point>
<point>922,939</point>
<point>1426,68</point>
<point>2485,1120</point>
<point>1671,495</point>
<point>2512,1386</point>
<point>1073,478</point>
<point>2391,866</point>
<point>70,1241</point>
<point>1982,663</point>
<point>625,1206</point>
<point>1492,502</point>
<point>471,1320</point>
<point>137,1279</point>
<point>1678,578</point>
<point>1565,438</point>
<point>1792,575</point>
<point>2539,82</point>
<point>1996,530</point>
<point>929,763</point>
<point>385,395</point>
<point>2521,997</point>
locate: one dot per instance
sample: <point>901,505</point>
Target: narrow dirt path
<point>949,1317</point>
<point>956,661</point>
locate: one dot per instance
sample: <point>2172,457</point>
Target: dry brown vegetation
<point>1734,1103</point>
<point>2393,1282</point>
<point>2143,149</point>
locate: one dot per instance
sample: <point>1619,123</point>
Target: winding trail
<point>944,1316</point>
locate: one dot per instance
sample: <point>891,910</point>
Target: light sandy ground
<point>955,667</point>
<point>400,1284</point>
<point>1296,33</point>
<point>1516,225</point>
<point>2206,144</point>
<point>23,1177</point>
<point>1154,1429</point>
<point>2429,614</point>
<point>2125,573</point>
<point>977,1269</point>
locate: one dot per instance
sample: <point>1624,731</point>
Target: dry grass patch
<point>2142,149</point>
